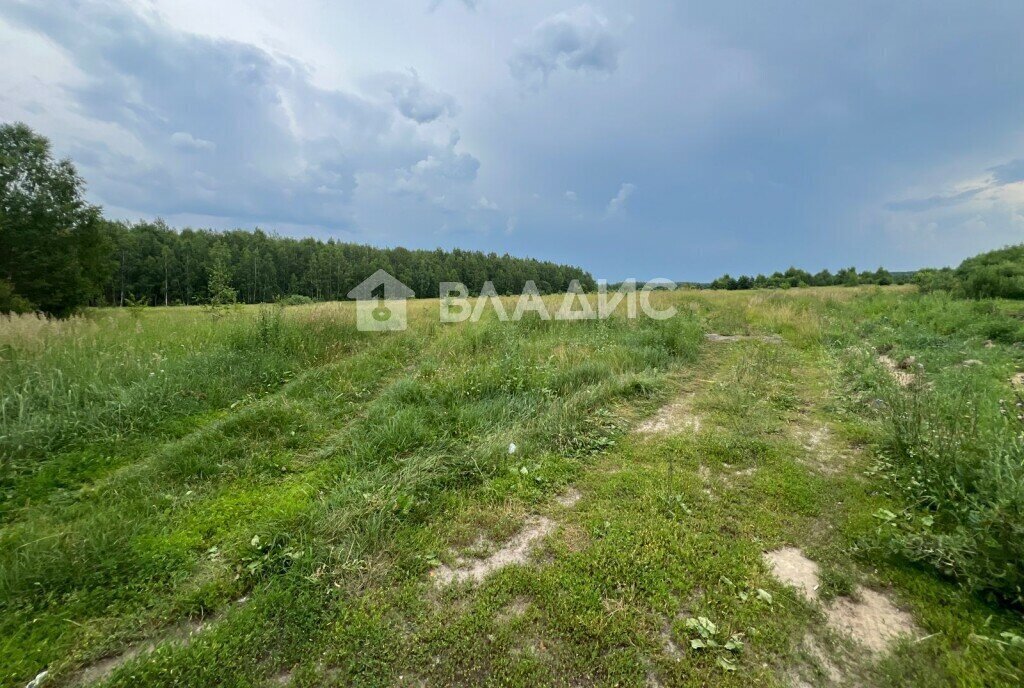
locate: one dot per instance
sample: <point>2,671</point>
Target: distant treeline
<point>58,253</point>
<point>154,263</point>
<point>995,274</point>
<point>795,277</point>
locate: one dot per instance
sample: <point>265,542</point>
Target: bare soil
<point>869,617</point>
<point>516,551</point>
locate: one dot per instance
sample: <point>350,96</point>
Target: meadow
<point>263,495</point>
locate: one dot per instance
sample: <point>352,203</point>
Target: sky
<point>642,139</point>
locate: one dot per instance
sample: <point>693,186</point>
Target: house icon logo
<point>380,313</point>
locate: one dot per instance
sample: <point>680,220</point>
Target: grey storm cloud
<point>750,139</point>
<point>225,129</point>
<point>416,100</point>
<point>580,40</point>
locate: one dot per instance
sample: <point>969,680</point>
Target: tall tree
<point>53,252</point>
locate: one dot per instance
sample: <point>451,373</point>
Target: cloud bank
<point>188,124</point>
<point>890,138</point>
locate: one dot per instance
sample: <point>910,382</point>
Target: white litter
<point>38,680</point>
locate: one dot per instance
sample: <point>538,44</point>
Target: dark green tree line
<point>165,266</point>
<point>57,253</point>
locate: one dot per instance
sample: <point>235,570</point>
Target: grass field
<point>267,496</point>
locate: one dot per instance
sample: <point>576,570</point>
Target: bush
<point>10,302</point>
<point>958,460</point>
<point>929,280</point>
<point>295,300</point>
<point>996,274</point>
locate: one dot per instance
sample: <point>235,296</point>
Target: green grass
<point>292,482</point>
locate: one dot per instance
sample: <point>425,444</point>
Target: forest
<point>152,262</point>
<point>60,253</point>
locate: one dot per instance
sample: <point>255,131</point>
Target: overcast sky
<point>643,139</point>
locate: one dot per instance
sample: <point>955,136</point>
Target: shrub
<point>996,274</point>
<point>295,300</point>
<point>10,302</point>
<point>929,280</point>
<point>958,460</point>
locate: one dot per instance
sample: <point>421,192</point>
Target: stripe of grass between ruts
<point>397,477</point>
<point>121,544</point>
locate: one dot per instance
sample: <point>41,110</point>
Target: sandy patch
<point>516,551</point>
<point>873,620</point>
<point>821,659</point>
<point>898,371</point>
<point>1017,380</point>
<point>725,338</point>
<point>815,438</point>
<point>820,453</point>
<point>672,418</point>
<point>790,566</point>
<point>869,617</point>
<point>668,644</point>
<point>569,498</point>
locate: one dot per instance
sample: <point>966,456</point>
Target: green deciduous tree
<point>53,252</point>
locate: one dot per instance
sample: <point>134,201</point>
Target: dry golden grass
<point>33,330</point>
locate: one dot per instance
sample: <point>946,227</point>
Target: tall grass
<point>370,435</point>
<point>86,385</point>
<point>957,457</point>
<point>951,447</point>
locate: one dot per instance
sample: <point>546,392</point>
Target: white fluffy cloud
<point>617,205</point>
<point>580,40</point>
